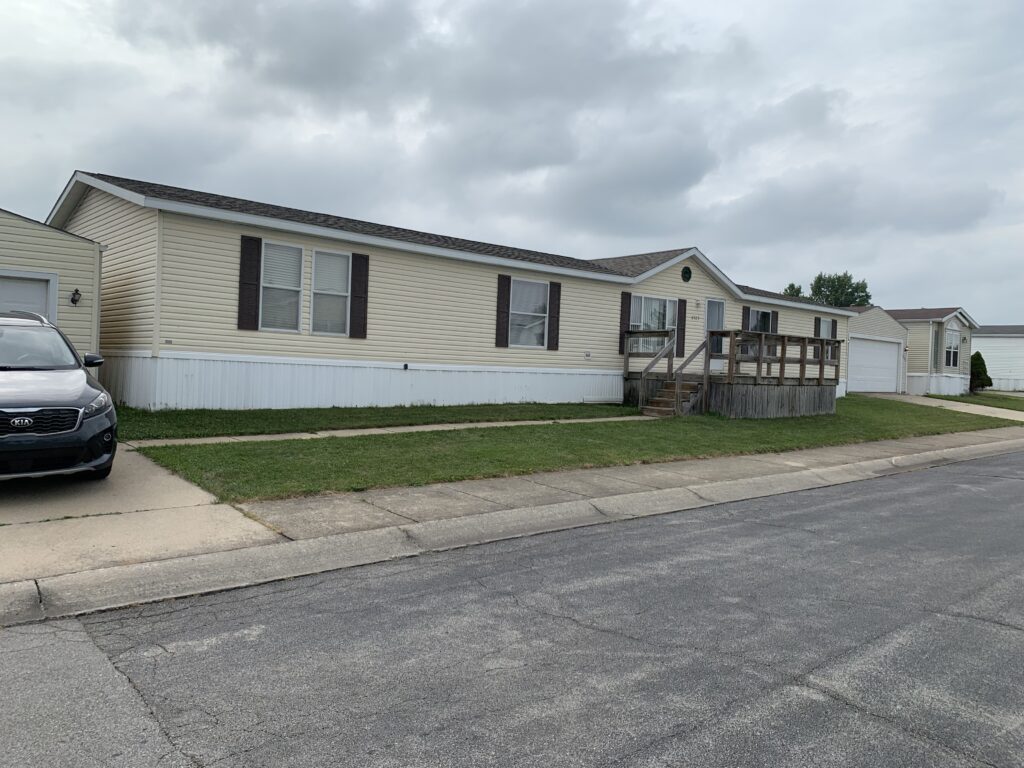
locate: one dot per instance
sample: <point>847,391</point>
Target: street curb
<point>121,586</point>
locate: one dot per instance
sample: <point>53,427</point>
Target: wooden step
<point>656,411</point>
<point>662,402</point>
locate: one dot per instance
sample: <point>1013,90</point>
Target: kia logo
<point>22,421</point>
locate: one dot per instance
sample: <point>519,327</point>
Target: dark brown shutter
<point>775,322</point>
<point>817,327</point>
<point>746,319</point>
<point>249,266</point>
<point>554,310</point>
<point>625,308</point>
<point>501,321</point>
<point>835,329</point>
<point>360,295</point>
<point>680,326</point>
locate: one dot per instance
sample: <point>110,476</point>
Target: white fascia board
<point>76,188</point>
<point>734,289</point>
<point>965,317</point>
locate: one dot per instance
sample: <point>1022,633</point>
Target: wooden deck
<point>760,375</point>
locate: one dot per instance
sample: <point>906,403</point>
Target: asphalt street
<point>879,623</point>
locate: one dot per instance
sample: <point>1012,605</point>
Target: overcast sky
<point>782,138</point>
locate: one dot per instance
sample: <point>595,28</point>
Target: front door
<point>715,321</point>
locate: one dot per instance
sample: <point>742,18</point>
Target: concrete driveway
<point>879,623</point>
<point>141,512</point>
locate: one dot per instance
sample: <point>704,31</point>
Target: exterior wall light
<point>76,296</point>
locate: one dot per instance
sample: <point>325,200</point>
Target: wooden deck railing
<point>764,350</point>
<point>667,352</point>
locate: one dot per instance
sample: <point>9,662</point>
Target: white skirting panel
<point>1007,384</point>
<point>185,380</point>
<point>841,388</point>
<point>938,384</point>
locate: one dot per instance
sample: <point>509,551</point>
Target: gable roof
<point>935,314</point>
<point>44,225</point>
<point>861,309</point>
<point>1000,330</point>
<point>639,263</point>
<point>620,269</point>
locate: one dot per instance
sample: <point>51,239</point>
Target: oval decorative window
<point>687,274</point>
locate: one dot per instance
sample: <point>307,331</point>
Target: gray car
<point>55,417</point>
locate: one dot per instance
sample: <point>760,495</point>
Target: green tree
<point>793,290</point>
<point>979,373</point>
<point>840,290</point>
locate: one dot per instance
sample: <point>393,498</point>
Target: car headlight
<point>100,405</point>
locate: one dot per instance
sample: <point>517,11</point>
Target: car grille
<point>45,421</point>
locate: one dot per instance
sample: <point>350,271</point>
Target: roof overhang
<point>81,182</point>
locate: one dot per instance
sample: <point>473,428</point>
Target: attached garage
<point>52,273</point>
<point>876,352</point>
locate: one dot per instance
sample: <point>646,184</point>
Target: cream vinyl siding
<point>30,246</point>
<point>129,277</point>
<point>422,309</point>
<point>877,322</point>
<point>701,287</point>
<point>919,352</point>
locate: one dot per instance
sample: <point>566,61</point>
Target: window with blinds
<point>648,313</point>
<point>330,292</point>
<point>281,287</point>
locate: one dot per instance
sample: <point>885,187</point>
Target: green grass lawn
<point>135,424</point>
<point>991,399</point>
<point>282,468</point>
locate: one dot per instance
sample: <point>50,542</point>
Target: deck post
<point>803,360</point>
<point>706,392</point>
<point>821,364</point>
<point>782,361</point>
<point>760,357</point>
<point>671,353</point>
<point>732,357</point>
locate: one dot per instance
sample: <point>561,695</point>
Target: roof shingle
<point>925,313</point>
<point>1000,330</point>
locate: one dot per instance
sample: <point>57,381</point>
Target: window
<point>528,314</point>
<point>952,349</point>
<point>647,313</point>
<point>281,287</point>
<point>760,321</point>
<point>828,327</point>
<point>330,292</point>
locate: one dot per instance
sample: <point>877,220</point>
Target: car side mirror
<point>93,361</point>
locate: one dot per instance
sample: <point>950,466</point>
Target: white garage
<point>876,352</point>
<point>52,273</point>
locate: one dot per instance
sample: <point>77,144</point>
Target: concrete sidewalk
<point>371,431</point>
<point>78,565</point>
<point>950,405</point>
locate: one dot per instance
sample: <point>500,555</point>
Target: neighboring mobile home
<point>877,350</point>
<point>217,302</point>
<point>1002,346</point>
<point>938,349</point>
<point>52,273</point>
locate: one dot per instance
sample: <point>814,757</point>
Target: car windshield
<point>34,348</point>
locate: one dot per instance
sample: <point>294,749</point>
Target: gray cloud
<point>882,139</point>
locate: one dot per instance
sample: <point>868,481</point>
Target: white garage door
<point>25,294</point>
<point>874,366</point>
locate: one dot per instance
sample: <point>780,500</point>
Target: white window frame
<point>546,315</point>
<point>301,289</point>
<point>657,343</point>
<point>829,350</point>
<point>952,350</point>
<point>759,312</point>
<point>313,292</point>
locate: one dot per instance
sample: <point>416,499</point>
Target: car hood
<point>31,389</point>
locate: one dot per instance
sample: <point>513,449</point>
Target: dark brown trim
<point>359,300</point>
<point>746,319</point>
<point>250,264</point>
<point>680,327</point>
<point>554,312</point>
<point>625,307</point>
<point>501,319</point>
<point>775,322</point>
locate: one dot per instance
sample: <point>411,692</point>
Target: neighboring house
<point>1002,346</point>
<point>52,273</point>
<point>216,302</point>
<point>938,349</point>
<point>878,352</point>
